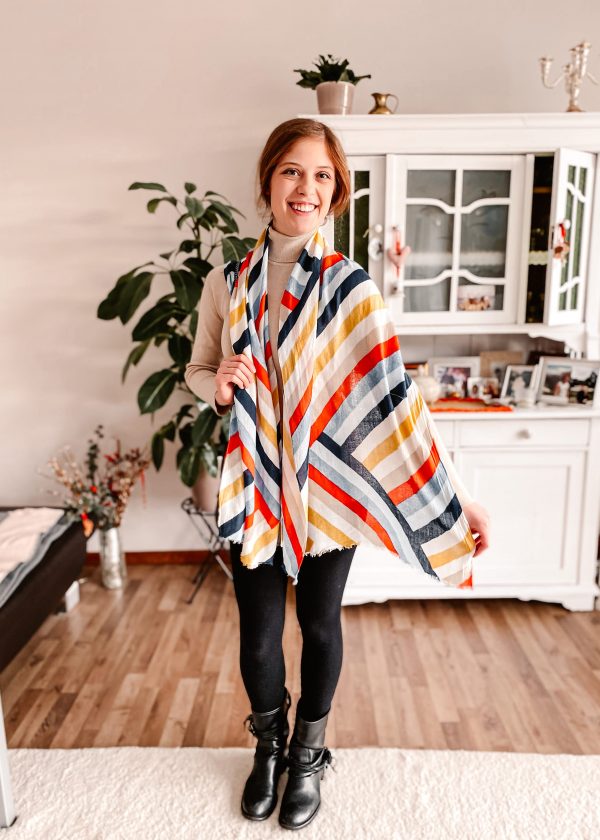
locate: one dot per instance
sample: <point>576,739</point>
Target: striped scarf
<point>353,459</point>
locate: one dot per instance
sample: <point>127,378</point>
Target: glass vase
<point>112,559</point>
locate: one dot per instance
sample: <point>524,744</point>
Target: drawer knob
<point>524,433</point>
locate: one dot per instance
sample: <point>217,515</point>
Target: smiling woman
<point>330,445</point>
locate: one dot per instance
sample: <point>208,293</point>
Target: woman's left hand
<point>479,522</point>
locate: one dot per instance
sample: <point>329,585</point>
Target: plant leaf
<point>134,357</point>
<point>156,390</point>
<point>133,293</point>
<point>187,289</point>
<point>158,449</point>
<point>190,466</point>
<point>146,185</point>
<point>203,428</point>
<point>180,349</point>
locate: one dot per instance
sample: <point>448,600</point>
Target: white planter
<point>335,97</point>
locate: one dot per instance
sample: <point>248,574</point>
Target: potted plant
<point>334,83</point>
<point>171,323</point>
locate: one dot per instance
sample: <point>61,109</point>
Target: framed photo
<point>495,362</point>
<point>483,387</point>
<point>452,372</point>
<point>517,377</point>
<point>564,381</point>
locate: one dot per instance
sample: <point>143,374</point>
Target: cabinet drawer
<point>525,433</point>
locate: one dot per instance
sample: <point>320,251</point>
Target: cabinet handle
<point>524,433</point>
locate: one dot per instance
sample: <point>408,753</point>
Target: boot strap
<point>272,736</point>
<point>302,769</point>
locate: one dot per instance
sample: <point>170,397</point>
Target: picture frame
<point>483,387</point>
<point>566,381</point>
<point>452,372</point>
<point>527,373</point>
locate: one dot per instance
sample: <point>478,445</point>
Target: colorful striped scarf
<point>352,460</point>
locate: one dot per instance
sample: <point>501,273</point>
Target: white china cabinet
<point>502,213</point>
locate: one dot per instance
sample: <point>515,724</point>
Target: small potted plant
<point>334,83</point>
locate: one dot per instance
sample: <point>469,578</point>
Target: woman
<point>246,355</point>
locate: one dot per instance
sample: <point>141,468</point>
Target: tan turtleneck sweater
<point>213,343</point>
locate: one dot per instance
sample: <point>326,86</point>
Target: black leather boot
<point>308,758</point>
<point>271,729</point>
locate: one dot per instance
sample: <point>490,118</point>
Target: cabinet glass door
<point>570,221</point>
<point>460,215</point>
<point>358,233</point>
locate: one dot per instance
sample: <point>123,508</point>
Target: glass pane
<point>431,183</point>
<point>576,237</point>
<point>582,179</point>
<point>361,223</point>
<point>483,241</point>
<point>341,233</point>
<point>574,291</point>
<point>562,301</point>
<point>478,297</point>
<point>485,183</point>
<point>571,175</point>
<point>361,180</point>
<point>431,298</point>
<point>429,233</point>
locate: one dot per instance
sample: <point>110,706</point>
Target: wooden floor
<point>142,667</point>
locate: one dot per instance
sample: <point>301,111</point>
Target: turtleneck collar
<point>284,248</point>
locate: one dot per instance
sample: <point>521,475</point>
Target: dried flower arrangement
<point>98,494</point>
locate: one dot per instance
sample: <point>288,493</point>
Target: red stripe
<point>348,501</point>
<point>418,480</point>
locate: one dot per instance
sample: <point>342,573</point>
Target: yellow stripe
<point>361,311</point>
<point>328,528</point>
<point>459,549</point>
<point>231,491</point>
<point>395,440</point>
<point>300,343</point>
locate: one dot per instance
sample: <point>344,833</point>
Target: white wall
<point>95,95</point>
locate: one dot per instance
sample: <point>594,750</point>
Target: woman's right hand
<point>234,370</point>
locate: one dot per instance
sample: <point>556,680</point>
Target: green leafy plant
<point>173,320</point>
<point>329,69</point>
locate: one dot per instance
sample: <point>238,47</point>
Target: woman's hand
<point>479,522</point>
<point>234,370</point>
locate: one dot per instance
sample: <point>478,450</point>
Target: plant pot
<point>205,491</point>
<point>335,97</point>
<point>112,559</point>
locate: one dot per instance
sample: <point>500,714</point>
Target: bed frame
<point>40,592</point>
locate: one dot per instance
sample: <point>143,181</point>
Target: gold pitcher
<point>381,103</point>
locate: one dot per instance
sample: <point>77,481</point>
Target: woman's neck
<point>284,248</point>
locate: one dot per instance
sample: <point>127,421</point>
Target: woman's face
<point>302,186</point>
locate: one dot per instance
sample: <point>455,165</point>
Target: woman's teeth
<point>303,208</point>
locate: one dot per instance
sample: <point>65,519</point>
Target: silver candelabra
<point>573,73</point>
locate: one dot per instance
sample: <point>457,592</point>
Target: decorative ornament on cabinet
<point>573,73</point>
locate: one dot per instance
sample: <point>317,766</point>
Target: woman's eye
<point>285,172</point>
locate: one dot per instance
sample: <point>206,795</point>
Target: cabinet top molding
<point>479,133</point>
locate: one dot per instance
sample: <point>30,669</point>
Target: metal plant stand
<point>205,522</point>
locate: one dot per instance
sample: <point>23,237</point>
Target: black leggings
<point>261,598</point>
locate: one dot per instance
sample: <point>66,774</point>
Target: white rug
<point>153,793</point>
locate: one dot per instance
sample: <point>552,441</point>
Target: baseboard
<point>160,558</point>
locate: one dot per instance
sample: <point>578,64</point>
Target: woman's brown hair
<point>279,142</point>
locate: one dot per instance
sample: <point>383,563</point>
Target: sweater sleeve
<point>463,495</point>
<point>207,353</point>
